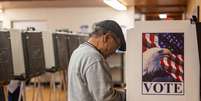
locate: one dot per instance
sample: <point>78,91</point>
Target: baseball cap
<point>114,27</point>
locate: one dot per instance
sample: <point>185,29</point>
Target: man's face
<point>111,44</point>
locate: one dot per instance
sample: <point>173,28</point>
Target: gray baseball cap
<point>114,27</point>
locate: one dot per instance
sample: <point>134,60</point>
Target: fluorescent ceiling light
<point>1,10</point>
<point>162,16</point>
<point>116,4</point>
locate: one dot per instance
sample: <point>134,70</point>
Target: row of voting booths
<point>28,54</point>
<point>24,55</point>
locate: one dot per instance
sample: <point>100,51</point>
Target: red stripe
<point>177,70</point>
<point>181,60</point>
<point>144,43</point>
<point>178,79</point>
<point>152,38</point>
<point>173,75</point>
<point>173,57</point>
<point>181,69</point>
<point>181,79</point>
<point>169,63</point>
<point>162,63</point>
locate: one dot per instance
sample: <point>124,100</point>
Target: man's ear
<point>106,37</point>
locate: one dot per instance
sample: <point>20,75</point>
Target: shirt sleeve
<point>99,83</point>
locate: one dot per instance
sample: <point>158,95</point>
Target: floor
<point>45,94</point>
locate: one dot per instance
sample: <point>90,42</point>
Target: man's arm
<point>100,85</point>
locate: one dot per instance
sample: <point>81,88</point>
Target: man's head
<point>107,36</point>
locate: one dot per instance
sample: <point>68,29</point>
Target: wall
<point>192,8</point>
<point>200,9</point>
<point>70,18</point>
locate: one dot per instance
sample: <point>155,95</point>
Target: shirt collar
<point>91,45</point>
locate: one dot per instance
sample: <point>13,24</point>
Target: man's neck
<point>97,44</point>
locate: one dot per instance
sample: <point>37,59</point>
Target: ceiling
<point>151,8</point>
<point>8,4</point>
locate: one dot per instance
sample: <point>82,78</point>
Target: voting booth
<point>27,54</point>
<point>61,50</point>
<point>59,47</point>
<point>56,50</point>
<point>74,40</point>
<point>33,53</point>
<point>21,54</point>
<point>162,62</point>
<point>6,62</point>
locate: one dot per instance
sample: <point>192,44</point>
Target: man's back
<point>89,76</point>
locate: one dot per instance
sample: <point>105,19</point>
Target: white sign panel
<point>162,62</point>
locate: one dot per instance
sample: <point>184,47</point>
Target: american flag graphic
<point>174,64</point>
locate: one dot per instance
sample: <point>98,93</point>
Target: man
<point>89,74</point>
<point>2,96</point>
<point>14,90</point>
